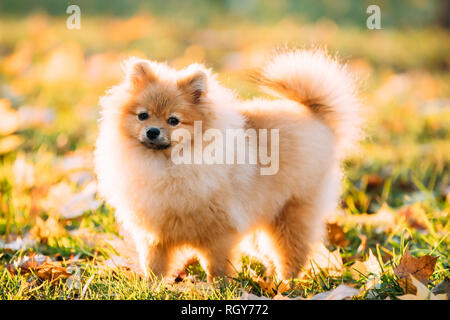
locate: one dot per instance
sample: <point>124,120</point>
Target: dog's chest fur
<point>182,202</point>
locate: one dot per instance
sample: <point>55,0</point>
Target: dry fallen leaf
<point>407,285</point>
<point>370,266</point>
<point>422,292</point>
<point>269,285</point>
<point>52,272</point>
<point>336,235</point>
<point>415,216</point>
<point>421,268</point>
<point>340,293</point>
<point>266,284</point>
<point>369,269</point>
<point>323,259</point>
<point>42,266</point>
<point>358,270</point>
<point>44,230</point>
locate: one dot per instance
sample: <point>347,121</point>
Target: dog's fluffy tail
<point>321,83</point>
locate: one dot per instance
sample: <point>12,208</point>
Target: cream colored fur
<point>211,207</point>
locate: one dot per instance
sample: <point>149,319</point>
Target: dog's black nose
<point>153,133</point>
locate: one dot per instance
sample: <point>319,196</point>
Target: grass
<point>404,160</point>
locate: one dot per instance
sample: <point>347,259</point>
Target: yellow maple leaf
<point>326,260</point>
<point>369,268</point>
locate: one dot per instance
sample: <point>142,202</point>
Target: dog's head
<point>161,100</point>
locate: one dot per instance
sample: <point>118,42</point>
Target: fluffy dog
<point>210,207</point>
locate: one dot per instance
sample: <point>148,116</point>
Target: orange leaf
<point>421,268</point>
<point>49,228</point>
<point>415,217</point>
<point>52,272</point>
<point>407,285</point>
<point>336,235</point>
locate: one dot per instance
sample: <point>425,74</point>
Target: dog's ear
<point>194,85</point>
<point>139,73</point>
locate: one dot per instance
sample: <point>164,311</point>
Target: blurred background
<point>51,78</point>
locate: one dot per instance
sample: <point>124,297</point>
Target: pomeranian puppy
<point>210,207</point>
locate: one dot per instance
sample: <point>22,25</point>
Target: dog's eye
<point>173,121</point>
<point>143,116</point>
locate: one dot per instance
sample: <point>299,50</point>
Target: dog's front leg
<point>220,256</point>
<point>153,258</point>
<point>158,260</point>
